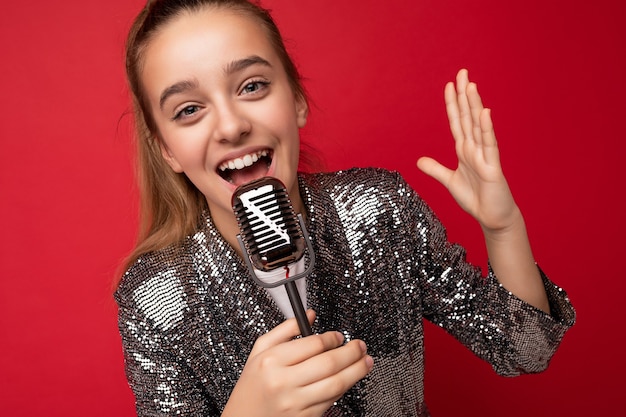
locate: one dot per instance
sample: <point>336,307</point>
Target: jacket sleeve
<point>513,336</point>
<point>163,383</point>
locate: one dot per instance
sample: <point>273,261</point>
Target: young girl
<point>219,103</point>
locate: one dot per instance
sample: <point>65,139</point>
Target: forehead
<point>204,41</point>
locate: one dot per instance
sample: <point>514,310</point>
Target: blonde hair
<point>171,206</point>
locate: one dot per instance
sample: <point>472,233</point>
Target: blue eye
<point>254,87</point>
<point>186,112</point>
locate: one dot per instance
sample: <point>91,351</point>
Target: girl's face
<point>223,107</point>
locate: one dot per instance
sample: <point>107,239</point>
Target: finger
<point>476,107</point>
<point>300,350</point>
<point>434,169</point>
<point>452,109</point>
<point>475,102</point>
<point>332,388</point>
<point>330,362</point>
<point>282,333</point>
<point>465,114</point>
<point>454,118</point>
<point>490,144</point>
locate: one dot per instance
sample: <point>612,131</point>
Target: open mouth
<point>246,168</point>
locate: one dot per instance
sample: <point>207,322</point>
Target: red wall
<point>553,71</point>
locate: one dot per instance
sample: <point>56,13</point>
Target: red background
<point>553,71</point>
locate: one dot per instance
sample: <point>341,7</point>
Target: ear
<point>302,111</point>
<point>169,158</point>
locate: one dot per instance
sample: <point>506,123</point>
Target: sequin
<point>189,314</point>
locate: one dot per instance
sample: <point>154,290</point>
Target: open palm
<point>478,184</point>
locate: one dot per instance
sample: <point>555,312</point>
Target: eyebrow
<point>241,64</point>
<point>179,87</point>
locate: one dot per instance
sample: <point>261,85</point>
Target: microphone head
<point>270,230</point>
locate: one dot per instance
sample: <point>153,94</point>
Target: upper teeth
<point>244,161</point>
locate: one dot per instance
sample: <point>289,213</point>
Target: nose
<point>232,124</point>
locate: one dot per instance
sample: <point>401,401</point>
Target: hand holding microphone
<point>286,377</point>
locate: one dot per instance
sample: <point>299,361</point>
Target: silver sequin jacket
<point>189,314</point>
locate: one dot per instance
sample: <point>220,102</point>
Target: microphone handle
<point>298,309</point>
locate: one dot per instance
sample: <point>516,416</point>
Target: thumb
<point>282,333</point>
<point>435,170</point>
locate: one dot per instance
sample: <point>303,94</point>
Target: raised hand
<point>301,377</point>
<point>478,184</point>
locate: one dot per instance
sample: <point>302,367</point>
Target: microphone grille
<point>269,228</point>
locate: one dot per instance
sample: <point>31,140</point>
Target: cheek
<point>188,146</point>
<point>280,113</point>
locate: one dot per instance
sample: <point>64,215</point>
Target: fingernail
<point>340,337</point>
<point>363,346</point>
<point>369,361</point>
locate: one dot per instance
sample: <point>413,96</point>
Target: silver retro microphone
<point>273,237</point>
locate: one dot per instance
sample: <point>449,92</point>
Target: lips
<point>246,168</point>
